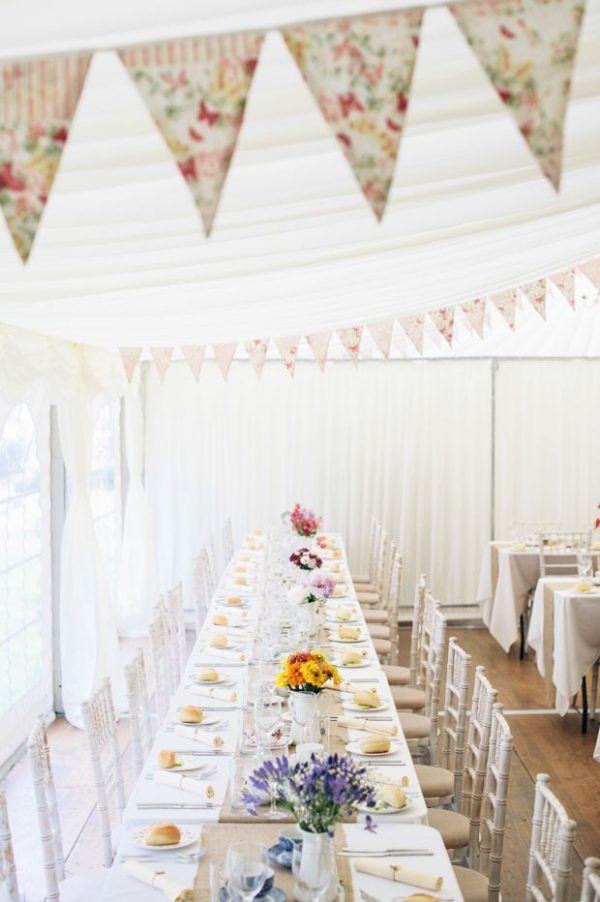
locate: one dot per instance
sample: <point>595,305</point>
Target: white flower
<point>297,594</point>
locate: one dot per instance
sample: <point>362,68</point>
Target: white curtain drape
<point>138,582</point>
<point>408,442</point>
<point>88,635</point>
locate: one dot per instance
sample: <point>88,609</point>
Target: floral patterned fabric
<point>506,304</point>
<point>256,349</point>
<point>591,271</point>
<point>350,339</point>
<point>194,354</point>
<point>414,328</point>
<point>382,335</point>
<point>162,359</point>
<point>38,101</point>
<point>527,48</point>
<point>196,91</point>
<point>130,358</point>
<point>475,312</point>
<point>535,292</point>
<point>288,348</point>
<point>224,355</point>
<point>443,320</point>
<point>319,344</point>
<point>565,282</point>
<point>360,72</point>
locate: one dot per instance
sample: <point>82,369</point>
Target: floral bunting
<point>565,282</point>
<point>162,359</point>
<point>224,355</point>
<point>443,320</point>
<point>506,304</point>
<point>196,91</point>
<point>527,49</point>
<point>591,271</point>
<point>350,339</point>
<point>288,348</point>
<point>256,349</point>
<point>360,72</point>
<point>382,335</point>
<point>194,354</point>
<point>535,292</point>
<point>475,312</point>
<point>39,99</point>
<point>130,358</point>
<point>414,326</point>
<point>319,343</point>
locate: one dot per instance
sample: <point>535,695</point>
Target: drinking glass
<point>241,768</point>
<point>584,563</point>
<point>313,877</point>
<point>247,865</point>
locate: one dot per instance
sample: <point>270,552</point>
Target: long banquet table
<point>395,830</point>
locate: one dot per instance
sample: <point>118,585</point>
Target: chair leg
<point>522,631</point>
<point>584,706</point>
<point>594,690</point>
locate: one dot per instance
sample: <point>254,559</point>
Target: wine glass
<point>313,875</point>
<point>247,866</point>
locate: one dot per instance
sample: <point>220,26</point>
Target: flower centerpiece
<point>304,522</point>
<point>318,589</point>
<point>304,559</point>
<point>305,674</point>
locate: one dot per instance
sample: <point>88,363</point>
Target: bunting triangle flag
<point>565,282</point>
<point>256,350</point>
<point>475,312</point>
<point>39,99</point>
<point>591,270</point>
<point>319,344</point>
<point>360,72</point>
<point>224,355</point>
<point>130,358</point>
<point>288,348</point>
<point>535,292</point>
<point>350,339</point>
<point>196,91</point>
<point>527,49</point>
<point>162,359</point>
<point>382,335</point>
<point>414,326</point>
<point>443,320</point>
<point>194,354</point>
<point>506,304</point>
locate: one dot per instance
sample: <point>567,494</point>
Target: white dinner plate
<point>346,641</point>
<point>366,663</point>
<point>350,706</point>
<point>333,621</point>
<point>222,679</point>
<point>384,808</point>
<point>189,835</point>
<point>208,721</point>
<point>187,762</point>
<point>231,646</point>
<point>234,607</point>
<point>354,749</point>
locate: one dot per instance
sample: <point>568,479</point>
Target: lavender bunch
<point>318,791</point>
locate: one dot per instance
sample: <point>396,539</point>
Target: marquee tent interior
<point>119,463</point>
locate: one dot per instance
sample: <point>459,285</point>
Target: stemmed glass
<point>584,563</point>
<point>247,866</point>
<point>313,879</point>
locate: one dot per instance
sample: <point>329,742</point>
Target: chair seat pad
<point>382,646</point>
<point>435,782</point>
<point>368,597</point>
<point>379,631</point>
<point>396,675</point>
<point>88,885</point>
<point>376,615</point>
<point>414,726</point>
<point>408,699</point>
<point>360,578</point>
<point>453,826</point>
<point>473,885</point>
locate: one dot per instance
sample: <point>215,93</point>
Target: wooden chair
<point>406,675</point>
<point>81,886</point>
<point>209,572</point>
<point>590,886</point>
<point>201,596</point>
<point>367,580</point>
<point>551,850</point>
<point>141,718</point>
<point>178,650</point>
<point>160,652</point>
<point>382,622</point>
<point>100,725</point>
<point>227,541</point>
<point>413,697</point>
<point>9,889</point>
<point>374,593</point>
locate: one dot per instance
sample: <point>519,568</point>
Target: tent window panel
<point>105,489</point>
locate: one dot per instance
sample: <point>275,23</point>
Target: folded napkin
<point>339,591</point>
<point>582,588</point>
<point>376,776</point>
<point>399,873</point>
<point>159,879</point>
<point>227,654</point>
<point>361,723</point>
<point>224,695</point>
<point>214,740</point>
<point>180,781</point>
<point>519,546</point>
<point>354,687</point>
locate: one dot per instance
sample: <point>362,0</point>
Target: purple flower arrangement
<point>321,585</point>
<point>318,791</point>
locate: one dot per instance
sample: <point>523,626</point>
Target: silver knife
<point>177,805</point>
<point>385,853</point>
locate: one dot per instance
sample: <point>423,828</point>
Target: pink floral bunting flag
<point>319,344</point>
<point>565,282</point>
<point>360,72</point>
<point>414,326</point>
<point>591,271</point>
<point>224,355</point>
<point>162,359</point>
<point>475,312</point>
<point>288,348</point>
<point>350,339</point>
<point>506,304</point>
<point>256,349</point>
<point>130,358</point>
<point>194,354</point>
<point>196,91</point>
<point>382,335</point>
<point>535,292</point>
<point>39,99</point>
<point>527,49</point>
<point>443,320</point>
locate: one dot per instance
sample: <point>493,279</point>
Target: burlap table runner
<point>216,839</point>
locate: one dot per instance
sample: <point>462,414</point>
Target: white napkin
<point>169,886</point>
<point>224,695</point>
<point>213,740</point>
<point>227,655</point>
<point>180,781</point>
<point>360,723</point>
<point>399,873</point>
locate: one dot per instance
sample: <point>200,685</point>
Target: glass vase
<point>305,711</point>
<point>317,859</point>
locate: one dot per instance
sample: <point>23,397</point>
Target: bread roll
<point>233,600</point>
<point>352,657</point>
<point>220,620</point>
<point>349,632</point>
<point>162,835</point>
<point>218,641</point>
<point>392,795</point>
<point>367,698</point>
<point>344,613</point>
<point>375,745</point>
<point>239,568</point>
<point>240,580</point>
<point>191,714</point>
<point>167,758</point>
<point>420,897</point>
<point>208,675</point>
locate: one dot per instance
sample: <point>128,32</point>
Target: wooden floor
<point>544,743</point>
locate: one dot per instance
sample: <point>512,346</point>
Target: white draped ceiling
<point>121,258</point>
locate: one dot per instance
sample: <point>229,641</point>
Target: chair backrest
<point>558,551</point>
<point>477,748</point>
<point>209,573</point>
<point>46,804</point>
<point>140,711</point>
<point>434,633</point>
<point>590,886</point>
<point>394,584</point>
<point>454,719</point>
<point>8,870</point>
<point>201,596</point>
<point>160,650</point>
<point>213,558</point>
<point>227,541</point>
<point>495,798</point>
<point>381,558</point>
<point>100,726</point>
<point>551,850</point>
<point>176,631</point>
<point>417,628</point>
<point>373,534</point>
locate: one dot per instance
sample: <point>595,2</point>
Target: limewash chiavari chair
<point>551,850</point>
<point>376,593</point>
<point>9,889</point>
<point>141,719</point>
<point>227,541</point>
<point>82,886</point>
<point>100,726</point>
<point>201,597</point>
<point>590,886</point>
<point>164,684</point>
<point>399,675</point>
<point>209,572</point>
<point>213,558</point>
<point>366,580</point>
<point>176,630</point>
<point>413,696</point>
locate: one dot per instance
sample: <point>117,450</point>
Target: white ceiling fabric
<point>121,258</point>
